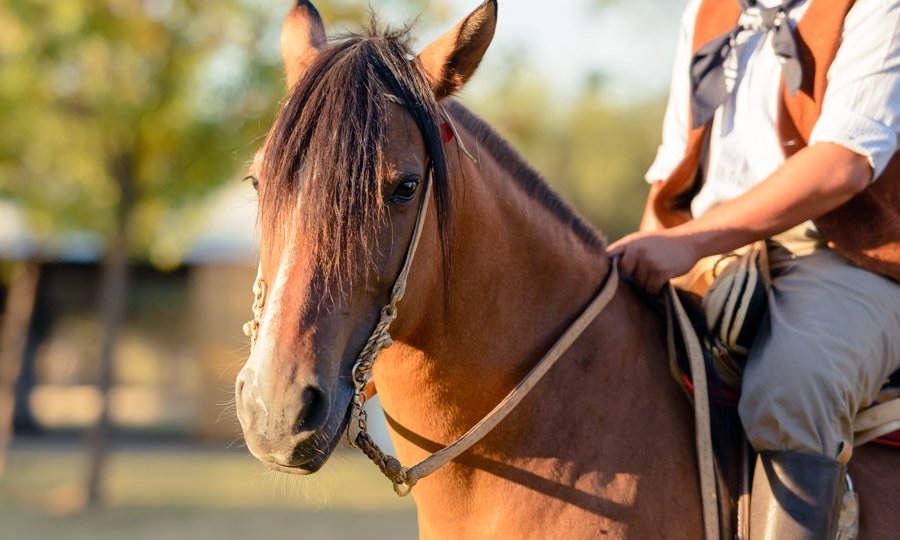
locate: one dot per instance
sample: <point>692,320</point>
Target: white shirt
<point>859,111</point>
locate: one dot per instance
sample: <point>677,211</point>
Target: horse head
<point>341,181</point>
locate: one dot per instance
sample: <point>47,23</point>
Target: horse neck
<point>520,275</point>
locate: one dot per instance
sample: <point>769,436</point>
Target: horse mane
<point>526,177</point>
<point>325,154</point>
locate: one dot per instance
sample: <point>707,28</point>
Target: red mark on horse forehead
<point>446,132</point>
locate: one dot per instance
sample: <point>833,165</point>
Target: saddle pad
<point>728,397</point>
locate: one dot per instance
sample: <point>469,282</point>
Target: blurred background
<point>128,241</point>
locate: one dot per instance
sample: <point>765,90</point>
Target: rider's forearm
<point>810,184</point>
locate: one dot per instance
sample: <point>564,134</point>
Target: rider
<point>782,124</point>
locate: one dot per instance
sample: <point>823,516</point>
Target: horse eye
<point>254,180</point>
<point>405,191</point>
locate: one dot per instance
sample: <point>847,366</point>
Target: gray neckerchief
<point>713,67</point>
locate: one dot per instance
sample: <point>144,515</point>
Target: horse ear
<point>302,37</point>
<point>452,59</point>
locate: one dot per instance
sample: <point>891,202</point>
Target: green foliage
<point>156,97</point>
<point>594,151</point>
<point>164,99</point>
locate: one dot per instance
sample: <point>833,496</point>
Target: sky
<point>630,42</point>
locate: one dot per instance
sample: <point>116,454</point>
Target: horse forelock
<point>326,152</point>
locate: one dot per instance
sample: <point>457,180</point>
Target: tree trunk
<point>13,335</point>
<point>113,303</point>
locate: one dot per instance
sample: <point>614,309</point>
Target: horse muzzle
<point>289,429</point>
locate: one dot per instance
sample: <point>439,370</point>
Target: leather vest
<point>865,230</point>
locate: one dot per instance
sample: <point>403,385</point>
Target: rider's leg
<point>831,340</point>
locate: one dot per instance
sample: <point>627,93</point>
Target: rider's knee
<point>802,407</point>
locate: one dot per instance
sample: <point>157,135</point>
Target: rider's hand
<point>655,257</point>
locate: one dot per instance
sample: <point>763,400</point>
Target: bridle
<point>404,478</point>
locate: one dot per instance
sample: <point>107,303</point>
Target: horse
<point>603,446</point>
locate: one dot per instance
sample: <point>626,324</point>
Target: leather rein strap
<point>702,429</point>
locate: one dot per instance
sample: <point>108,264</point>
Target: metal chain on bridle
<point>251,327</point>
<point>357,431</point>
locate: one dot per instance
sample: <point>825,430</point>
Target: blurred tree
<point>606,148</point>
<point>119,114</point>
<point>20,296</point>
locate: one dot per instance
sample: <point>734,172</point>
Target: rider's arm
<point>814,181</point>
<point>853,140</point>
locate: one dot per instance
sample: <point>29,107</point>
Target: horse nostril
<point>239,409</point>
<point>239,390</point>
<point>312,410</point>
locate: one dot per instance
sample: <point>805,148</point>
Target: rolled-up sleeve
<point>862,99</point>
<point>675,122</point>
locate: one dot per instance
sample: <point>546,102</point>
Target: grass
<point>166,492</point>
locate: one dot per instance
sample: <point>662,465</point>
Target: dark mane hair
<point>325,152</point>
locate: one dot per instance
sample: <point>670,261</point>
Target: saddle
<point>733,458</point>
<point>879,424</point>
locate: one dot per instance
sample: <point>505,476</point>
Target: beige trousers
<point>831,339</point>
